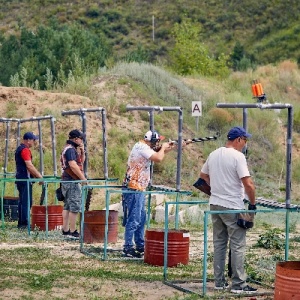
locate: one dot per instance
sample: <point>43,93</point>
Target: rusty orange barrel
<point>38,217</point>
<point>287,280</point>
<point>94,226</point>
<point>178,247</point>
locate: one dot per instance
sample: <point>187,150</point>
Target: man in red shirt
<point>25,170</point>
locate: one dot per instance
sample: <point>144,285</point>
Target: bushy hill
<point>268,30</point>
<point>143,84</point>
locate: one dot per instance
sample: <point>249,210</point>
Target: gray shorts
<point>72,193</point>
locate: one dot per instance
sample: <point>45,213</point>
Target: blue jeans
<point>134,206</point>
<point>23,202</point>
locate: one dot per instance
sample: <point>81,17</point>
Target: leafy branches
<point>190,56</point>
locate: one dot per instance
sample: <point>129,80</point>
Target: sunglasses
<point>244,138</point>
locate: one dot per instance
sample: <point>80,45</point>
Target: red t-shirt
<point>26,154</point>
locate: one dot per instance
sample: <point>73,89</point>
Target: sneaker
<point>246,290</point>
<point>224,286</point>
<point>74,234</point>
<point>132,253</point>
<point>141,250</point>
<point>66,232</point>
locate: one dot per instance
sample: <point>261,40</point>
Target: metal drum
<point>178,247</point>
<point>94,226</point>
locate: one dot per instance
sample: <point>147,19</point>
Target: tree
<point>190,56</point>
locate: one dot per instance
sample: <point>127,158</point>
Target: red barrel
<point>178,247</point>
<point>287,280</point>
<point>94,226</point>
<point>38,217</point>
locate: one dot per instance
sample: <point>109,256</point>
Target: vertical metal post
<point>151,123</point>
<point>107,197</point>
<point>41,148</point>
<point>289,157</point>
<point>18,134</point>
<point>85,164</point>
<point>104,144</point>
<point>287,233</point>
<point>166,241</point>
<point>205,252</point>
<point>149,210</point>
<point>153,30</point>
<point>245,119</point>
<point>179,151</point>
<point>53,146</point>
<point>6,147</point>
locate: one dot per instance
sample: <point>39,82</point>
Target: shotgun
<point>188,141</point>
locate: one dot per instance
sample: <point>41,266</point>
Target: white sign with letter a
<point>196,108</point>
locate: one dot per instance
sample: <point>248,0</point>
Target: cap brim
<point>248,135</point>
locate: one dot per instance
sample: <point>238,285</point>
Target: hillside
<point>268,30</point>
<point>114,92</point>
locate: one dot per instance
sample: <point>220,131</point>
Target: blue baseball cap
<point>237,132</point>
<point>30,136</point>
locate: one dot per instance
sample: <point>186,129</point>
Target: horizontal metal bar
<point>36,119</point>
<point>81,111</point>
<point>154,108</point>
<point>254,105</point>
<point>9,120</point>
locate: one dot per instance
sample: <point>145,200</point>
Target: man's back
<point>226,167</point>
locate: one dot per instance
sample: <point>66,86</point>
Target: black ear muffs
<point>154,138</point>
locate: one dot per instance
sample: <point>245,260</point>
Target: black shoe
<point>221,287</point>
<point>66,232</point>
<point>132,253</point>
<point>246,290</point>
<point>141,250</point>
<point>74,234</point>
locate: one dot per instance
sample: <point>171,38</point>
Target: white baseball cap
<point>153,136</point>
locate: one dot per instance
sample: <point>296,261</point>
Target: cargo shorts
<point>72,194</point>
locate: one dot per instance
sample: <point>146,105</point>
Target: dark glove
<point>251,206</point>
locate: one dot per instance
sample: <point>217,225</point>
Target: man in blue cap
<point>25,170</point>
<point>227,173</point>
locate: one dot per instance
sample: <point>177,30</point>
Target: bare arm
<point>159,156</point>
<point>32,170</point>
<point>81,152</point>
<point>249,188</point>
<point>75,168</point>
<point>205,177</point>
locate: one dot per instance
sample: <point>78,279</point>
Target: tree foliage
<point>56,48</point>
<point>190,56</point>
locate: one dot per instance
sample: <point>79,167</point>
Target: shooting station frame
<point>32,119</point>
<point>269,204</point>
<point>82,114</point>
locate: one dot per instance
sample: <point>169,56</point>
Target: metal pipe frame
<point>54,180</point>
<point>82,113</point>
<point>289,135</point>
<point>174,283</point>
<point>38,119</point>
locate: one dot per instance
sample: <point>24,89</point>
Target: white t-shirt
<point>226,167</point>
<point>138,166</point>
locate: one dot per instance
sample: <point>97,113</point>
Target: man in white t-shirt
<point>136,180</point>
<point>227,173</point>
